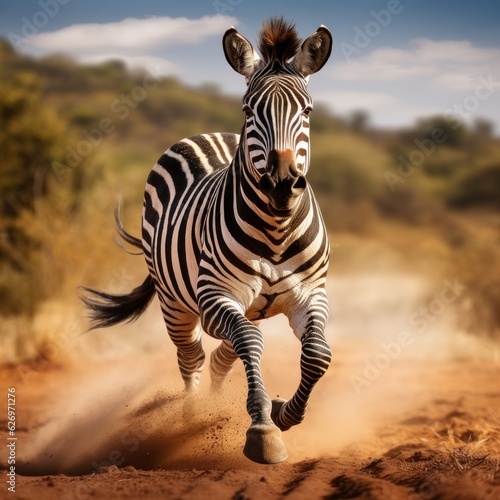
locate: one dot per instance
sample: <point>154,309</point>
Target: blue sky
<point>397,59</point>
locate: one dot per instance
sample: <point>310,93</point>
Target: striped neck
<point>252,211</point>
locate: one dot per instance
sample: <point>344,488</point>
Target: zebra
<point>232,234</point>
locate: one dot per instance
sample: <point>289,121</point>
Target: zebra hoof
<point>275,413</point>
<point>264,444</point>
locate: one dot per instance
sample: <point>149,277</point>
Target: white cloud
<point>448,64</point>
<point>130,35</point>
<point>458,51</point>
<point>345,101</point>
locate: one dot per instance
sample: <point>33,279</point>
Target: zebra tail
<point>106,309</point>
<point>126,236</point>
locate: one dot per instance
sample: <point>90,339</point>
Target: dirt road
<point>401,413</point>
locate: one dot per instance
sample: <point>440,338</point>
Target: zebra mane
<point>278,40</point>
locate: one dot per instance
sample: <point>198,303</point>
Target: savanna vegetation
<point>73,137</point>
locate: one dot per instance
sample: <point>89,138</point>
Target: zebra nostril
<point>267,184</point>
<point>300,183</point>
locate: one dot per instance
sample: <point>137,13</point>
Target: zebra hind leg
<point>221,364</point>
<point>184,330</point>
<point>191,358</point>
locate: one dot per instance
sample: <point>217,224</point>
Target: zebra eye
<point>307,111</point>
<point>247,111</point>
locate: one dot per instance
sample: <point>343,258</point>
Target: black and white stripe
<point>232,234</point>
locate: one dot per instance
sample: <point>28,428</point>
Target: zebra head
<point>277,104</point>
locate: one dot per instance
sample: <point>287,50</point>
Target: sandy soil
<point>402,413</point>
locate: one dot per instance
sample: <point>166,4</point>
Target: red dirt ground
<point>424,426</point>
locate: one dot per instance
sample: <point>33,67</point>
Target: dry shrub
<point>465,454</point>
<point>68,250</point>
<point>479,267</point>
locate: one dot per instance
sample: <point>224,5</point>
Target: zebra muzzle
<point>283,183</point>
<point>283,194</point>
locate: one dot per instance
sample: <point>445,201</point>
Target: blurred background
<point>405,151</point>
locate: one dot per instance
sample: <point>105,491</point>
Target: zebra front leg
<point>314,362</point>
<point>264,442</point>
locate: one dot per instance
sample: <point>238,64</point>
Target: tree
<point>358,120</point>
<point>29,141</point>
<point>451,133</point>
<point>483,127</point>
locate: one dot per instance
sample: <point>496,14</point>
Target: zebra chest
<point>267,306</point>
<point>271,292</point>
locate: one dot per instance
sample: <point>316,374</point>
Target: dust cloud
<point>132,411</point>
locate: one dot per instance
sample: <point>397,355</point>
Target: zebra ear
<point>239,53</point>
<point>314,52</point>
